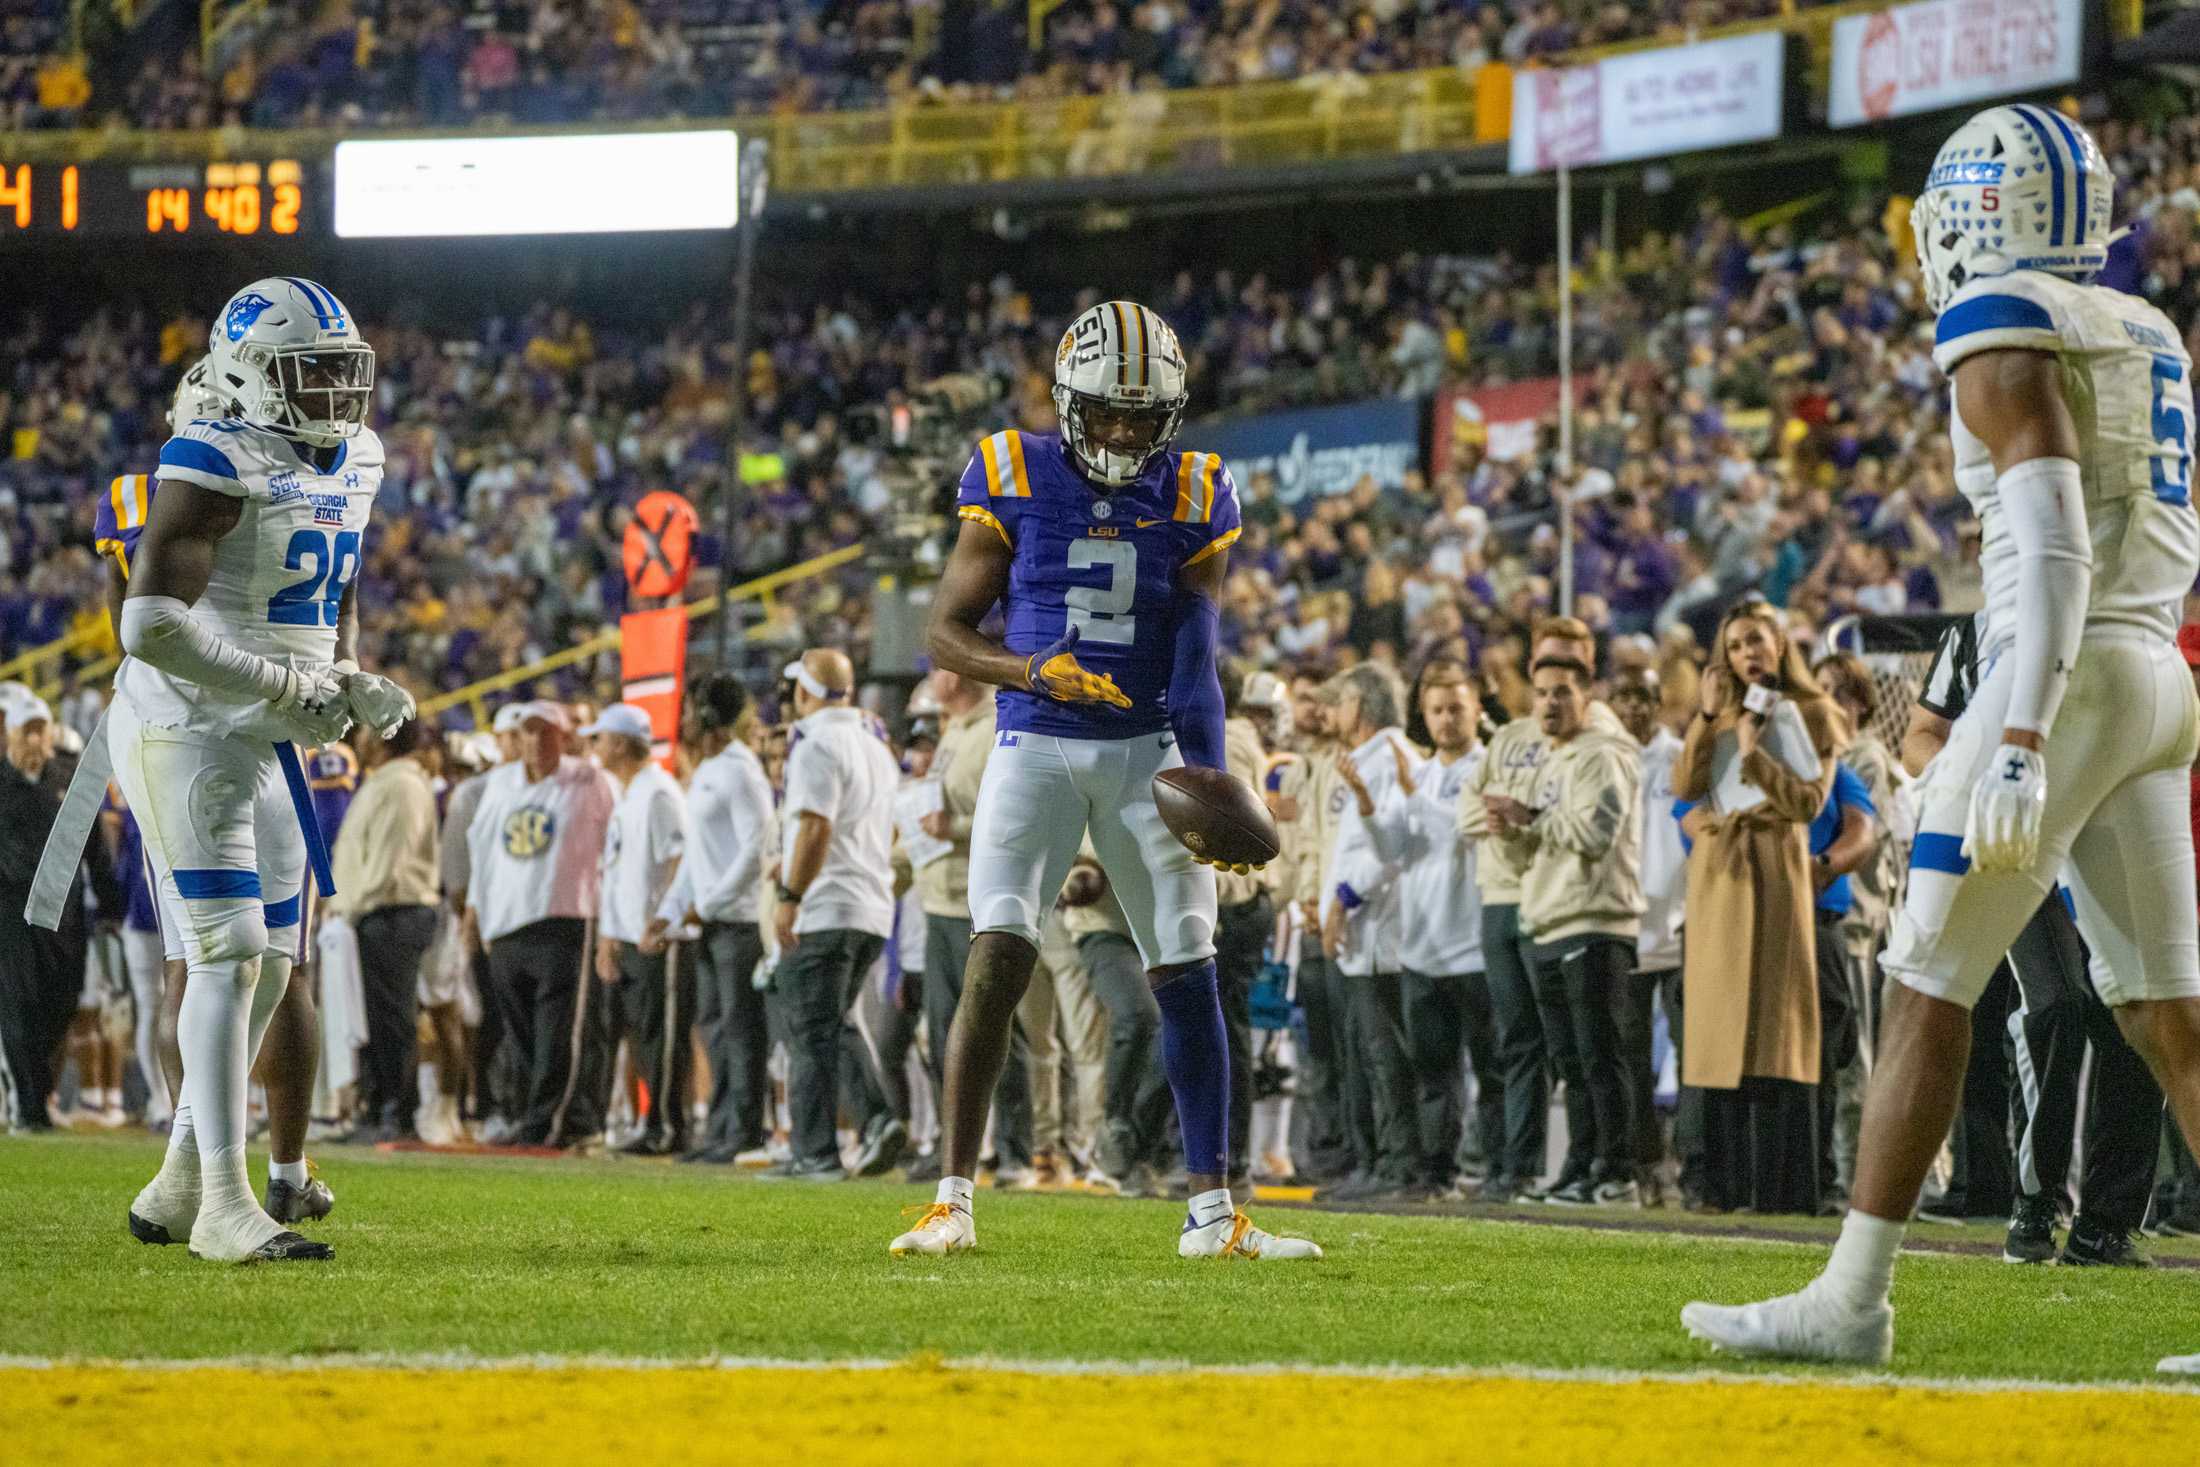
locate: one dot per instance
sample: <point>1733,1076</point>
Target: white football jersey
<point>2128,381</point>
<point>277,577</point>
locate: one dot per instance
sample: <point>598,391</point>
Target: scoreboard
<point>281,197</point>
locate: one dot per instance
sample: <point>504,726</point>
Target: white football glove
<point>313,700</point>
<point>376,702</point>
<point>2002,830</point>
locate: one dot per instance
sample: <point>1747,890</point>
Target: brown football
<point>1216,815</point>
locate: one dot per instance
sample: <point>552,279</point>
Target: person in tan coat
<point>1750,1033</point>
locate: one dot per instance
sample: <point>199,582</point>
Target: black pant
<point>1137,1106</point>
<point>730,1015</point>
<point>1983,1182</point>
<point>1838,1036</point>
<point>1688,1104</point>
<point>1241,944</point>
<point>1581,991</point>
<point>540,976</point>
<point>1447,1016</point>
<point>392,941</point>
<point>2059,1015</point>
<point>1761,1147</point>
<point>1387,1126</point>
<point>946,955</point>
<point>1638,1060</point>
<point>1322,1096</point>
<point>818,983</point>
<point>1519,1156</point>
<point>41,974</point>
<point>652,1007</point>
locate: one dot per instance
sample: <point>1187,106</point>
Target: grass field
<point>1412,1325</point>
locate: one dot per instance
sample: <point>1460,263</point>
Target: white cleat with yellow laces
<point>944,1228</point>
<point>1216,1229</point>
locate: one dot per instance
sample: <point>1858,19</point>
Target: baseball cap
<point>549,711</point>
<point>624,719</point>
<point>508,718</point>
<point>28,708</point>
<point>1262,690</point>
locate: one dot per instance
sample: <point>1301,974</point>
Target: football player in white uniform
<point>2072,419</point>
<point>238,627</point>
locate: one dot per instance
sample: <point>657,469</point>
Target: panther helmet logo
<point>243,311</point>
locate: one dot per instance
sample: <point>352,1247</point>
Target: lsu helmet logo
<point>528,832</point>
<point>243,311</point>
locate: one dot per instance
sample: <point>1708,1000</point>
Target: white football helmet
<point>1119,390</point>
<point>196,396</point>
<point>2016,188</point>
<point>287,355</point>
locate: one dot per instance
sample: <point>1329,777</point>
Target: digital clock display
<point>279,196</point>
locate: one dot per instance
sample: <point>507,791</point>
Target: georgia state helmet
<point>285,354</point>
<point>2017,187</point>
<point>196,396</point>
<point>1118,364</point>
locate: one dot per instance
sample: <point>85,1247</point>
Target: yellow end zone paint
<point>670,1417</point>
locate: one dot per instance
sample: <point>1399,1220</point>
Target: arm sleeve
<point>120,519</point>
<point>1195,688</point>
<point>1474,816</point>
<point>160,631</point>
<point>2043,503</point>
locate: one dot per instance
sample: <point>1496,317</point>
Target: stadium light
<point>601,183</point>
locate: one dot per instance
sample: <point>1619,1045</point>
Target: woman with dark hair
<point>1757,764</point>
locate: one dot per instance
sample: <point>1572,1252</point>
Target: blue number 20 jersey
<point>1104,563</point>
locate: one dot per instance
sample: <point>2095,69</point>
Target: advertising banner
<point>1648,104</point>
<point>1946,53</point>
<point>1322,450</point>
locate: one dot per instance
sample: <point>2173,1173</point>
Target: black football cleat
<point>288,1247</point>
<point>288,1203</point>
<point>151,1232</point>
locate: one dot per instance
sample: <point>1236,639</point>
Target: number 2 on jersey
<point>313,602</point>
<point>1102,613</point>
<point>2170,427</point>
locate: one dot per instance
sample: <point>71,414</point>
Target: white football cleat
<point>1810,1325</point>
<point>2180,1365</point>
<point>1233,1235</point>
<point>943,1229</point>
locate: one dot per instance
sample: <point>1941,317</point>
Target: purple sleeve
<point>1195,688</point>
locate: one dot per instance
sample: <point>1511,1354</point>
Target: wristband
<point>788,896</point>
<point>1349,899</point>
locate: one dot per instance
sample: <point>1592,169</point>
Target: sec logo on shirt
<point>528,832</point>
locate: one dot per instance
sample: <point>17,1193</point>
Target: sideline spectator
<point>532,891</point>
<point>384,870</point>
<point>836,903</point>
<point>649,997</point>
<point>1636,699</point>
<point>1753,784</point>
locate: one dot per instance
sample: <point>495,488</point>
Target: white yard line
<point>989,1364</point>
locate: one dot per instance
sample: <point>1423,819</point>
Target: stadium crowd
<point>395,63</point>
<point>1759,419</point>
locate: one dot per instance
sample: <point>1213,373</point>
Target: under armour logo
<point>2014,770</point>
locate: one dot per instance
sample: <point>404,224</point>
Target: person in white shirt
<point>1637,698</point>
<point>495,1108</point>
<point>715,901</point>
<point>1363,926</point>
<point>1446,990</point>
<point>649,997</point>
<point>531,897</point>
<point>836,901</point>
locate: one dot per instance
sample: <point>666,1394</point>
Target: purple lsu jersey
<point>1104,563</point>
<point>120,518</point>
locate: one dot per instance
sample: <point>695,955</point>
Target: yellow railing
<point>980,142</point>
<point>763,588</point>
<point>21,666</point>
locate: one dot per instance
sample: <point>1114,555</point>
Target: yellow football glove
<point>1055,674</point>
<point>1242,868</point>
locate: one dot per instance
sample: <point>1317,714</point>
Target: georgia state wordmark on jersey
<point>279,576</point>
<point>2129,382</point>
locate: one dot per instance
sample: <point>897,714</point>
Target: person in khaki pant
<point>1132,1147</point>
<point>1059,1012</point>
<point>943,889</point>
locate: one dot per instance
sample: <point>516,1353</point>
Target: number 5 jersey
<point>2128,382</point>
<point>278,577</point>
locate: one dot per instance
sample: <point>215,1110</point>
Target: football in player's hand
<point>1216,815</point>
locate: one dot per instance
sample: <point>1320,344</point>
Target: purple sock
<point>1195,1055</point>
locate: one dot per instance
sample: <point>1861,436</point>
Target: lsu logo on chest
<point>528,832</point>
